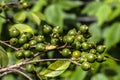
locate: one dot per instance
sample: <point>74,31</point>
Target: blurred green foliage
<point>105,27</point>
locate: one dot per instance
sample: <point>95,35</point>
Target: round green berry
<point>13,41</point>
<point>85,46</point>
<point>91,57</point>
<point>72,32</point>
<point>65,52</point>
<point>40,38</point>
<point>100,48</point>
<point>40,47</point>
<point>47,29</point>
<point>32,42</point>
<point>83,29</point>
<point>76,53</point>
<point>85,66</point>
<point>14,32</point>
<point>30,68</point>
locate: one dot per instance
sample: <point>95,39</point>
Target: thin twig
<point>2,42</point>
<point>22,73</point>
<point>5,73</point>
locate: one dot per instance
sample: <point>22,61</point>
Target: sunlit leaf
<point>79,74</point>
<point>54,15</point>
<point>20,17</point>
<point>112,36</point>
<point>95,30</point>
<point>22,28</point>
<point>55,69</point>
<point>3,57</point>
<point>99,77</point>
<point>69,4</point>
<point>92,8</point>
<point>35,18</point>
<point>103,13</point>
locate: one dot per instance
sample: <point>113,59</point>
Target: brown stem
<point>2,42</point>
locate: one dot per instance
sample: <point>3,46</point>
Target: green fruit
<point>14,32</point>
<point>19,54</point>
<point>40,38</point>
<point>76,44</point>
<point>32,42</point>
<point>26,46</point>
<point>68,39</point>
<point>27,53</point>
<point>80,38</point>
<point>22,40</point>
<point>47,29</point>
<point>93,51</point>
<point>82,59</point>
<point>84,54</point>
<point>100,48</point>
<point>55,35</point>
<point>30,68</point>
<point>83,29</point>
<point>100,58</point>
<point>72,32</point>
<point>57,29</point>
<point>76,53</point>
<point>29,35</point>
<point>25,5</point>
<point>65,52</point>
<point>13,41</point>
<point>54,41</point>
<point>85,66</point>
<point>85,46</point>
<point>40,47</point>
<point>91,57</point>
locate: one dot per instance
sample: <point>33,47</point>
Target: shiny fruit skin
<point>100,48</point>
<point>19,54</point>
<point>40,47</point>
<point>80,38</point>
<point>91,57</point>
<point>27,53</point>
<point>57,29</point>
<point>13,41</point>
<point>40,38</point>
<point>68,39</point>
<point>26,46</point>
<point>72,32</point>
<point>65,52</point>
<point>83,29</point>
<point>14,33</point>
<point>85,46</point>
<point>30,68</point>
<point>100,58</point>
<point>22,40</point>
<point>32,42</point>
<point>85,66</point>
<point>76,53</point>
<point>47,29</point>
<point>93,51</point>
<point>54,41</point>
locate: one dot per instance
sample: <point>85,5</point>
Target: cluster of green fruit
<point>75,45</point>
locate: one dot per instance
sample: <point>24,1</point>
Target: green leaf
<point>92,8</point>
<point>20,17</point>
<point>8,77</point>
<point>22,28</point>
<point>95,30</point>
<point>3,58</point>
<point>99,77</point>
<point>112,36</point>
<point>69,16</point>
<point>79,74</point>
<point>54,15</point>
<point>55,69</point>
<point>103,13</point>
<point>67,4</point>
<point>39,4</point>
<point>115,13</point>
<point>35,18</point>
